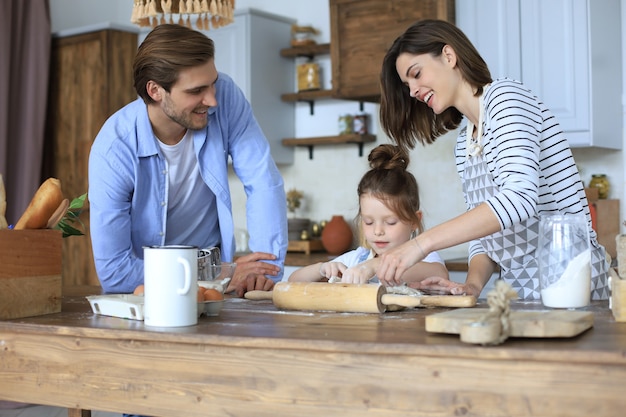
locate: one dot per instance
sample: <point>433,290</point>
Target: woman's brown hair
<point>407,120</point>
<point>389,181</point>
<point>168,49</point>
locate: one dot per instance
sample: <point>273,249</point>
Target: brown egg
<point>211,294</point>
<point>200,294</point>
<point>139,290</point>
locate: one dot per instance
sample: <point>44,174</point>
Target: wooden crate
<point>30,273</point>
<point>306,246</point>
<point>606,223</point>
<point>618,296</point>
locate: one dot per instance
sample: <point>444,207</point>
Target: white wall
<point>329,180</point>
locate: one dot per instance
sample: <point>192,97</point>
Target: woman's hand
<point>445,286</point>
<point>395,262</point>
<point>250,273</point>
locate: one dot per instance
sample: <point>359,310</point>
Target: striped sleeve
<point>528,156</point>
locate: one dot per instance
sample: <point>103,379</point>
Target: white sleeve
<point>433,257</point>
<point>351,258</point>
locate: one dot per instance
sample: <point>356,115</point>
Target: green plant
<point>293,199</point>
<point>72,216</point>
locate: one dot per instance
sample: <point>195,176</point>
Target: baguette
<point>58,214</point>
<point>45,202</point>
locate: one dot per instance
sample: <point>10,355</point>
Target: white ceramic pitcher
<point>171,286</point>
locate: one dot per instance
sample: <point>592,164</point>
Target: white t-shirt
<point>192,211</point>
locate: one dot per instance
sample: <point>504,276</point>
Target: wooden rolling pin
<point>350,298</point>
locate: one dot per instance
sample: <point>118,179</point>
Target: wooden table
<point>254,360</point>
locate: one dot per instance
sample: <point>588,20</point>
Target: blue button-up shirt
<point>128,191</point>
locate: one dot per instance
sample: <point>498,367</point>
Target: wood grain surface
<point>30,273</point>
<point>254,360</point>
<point>91,77</point>
<point>524,323</point>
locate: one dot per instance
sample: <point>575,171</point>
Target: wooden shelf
<point>308,95</point>
<point>330,140</point>
<point>308,51</point>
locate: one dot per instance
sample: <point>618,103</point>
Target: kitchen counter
<point>255,360</point>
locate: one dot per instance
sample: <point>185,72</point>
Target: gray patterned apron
<point>513,249</point>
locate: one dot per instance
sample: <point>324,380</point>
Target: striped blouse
<point>530,163</point>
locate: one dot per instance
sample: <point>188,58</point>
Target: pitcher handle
<point>187,285</point>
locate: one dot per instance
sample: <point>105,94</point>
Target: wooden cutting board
<point>524,323</point>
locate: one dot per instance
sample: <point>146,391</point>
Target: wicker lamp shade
<point>207,13</point>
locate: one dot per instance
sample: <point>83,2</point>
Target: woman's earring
<point>413,234</point>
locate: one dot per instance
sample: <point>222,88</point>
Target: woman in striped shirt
<point>513,159</point>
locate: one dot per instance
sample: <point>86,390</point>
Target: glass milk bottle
<point>564,256</point>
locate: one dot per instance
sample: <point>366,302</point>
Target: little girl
<point>389,215</point>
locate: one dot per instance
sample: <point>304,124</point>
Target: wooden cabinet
<point>361,33</point>
<point>90,78</point>
<point>249,51</point>
<point>563,50</point>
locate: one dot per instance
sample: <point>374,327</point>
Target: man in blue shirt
<point>158,169</point>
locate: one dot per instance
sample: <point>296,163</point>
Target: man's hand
<point>250,273</point>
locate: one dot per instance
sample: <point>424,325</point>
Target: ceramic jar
<point>346,124</point>
<point>309,76</point>
<point>601,182</point>
<point>337,236</point>
<point>564,259</point>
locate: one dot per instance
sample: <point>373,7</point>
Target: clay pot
<point>337,236</point>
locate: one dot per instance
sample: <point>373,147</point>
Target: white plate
<point>126,306</point>
<point>129,306</point>
<point>216,285</point>
<point>210,308</point>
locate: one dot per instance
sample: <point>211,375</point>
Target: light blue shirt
<point>128,188</point>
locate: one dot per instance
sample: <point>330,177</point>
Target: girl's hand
<point>330,270</point>
<point>395,262</point>
<point>359,274</point>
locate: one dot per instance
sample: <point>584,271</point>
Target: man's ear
<point>154,91</point>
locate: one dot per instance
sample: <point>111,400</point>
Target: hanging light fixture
<point>207,13</point>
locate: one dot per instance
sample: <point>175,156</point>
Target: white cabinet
<point>567,51</point>
<point>249,51</point>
